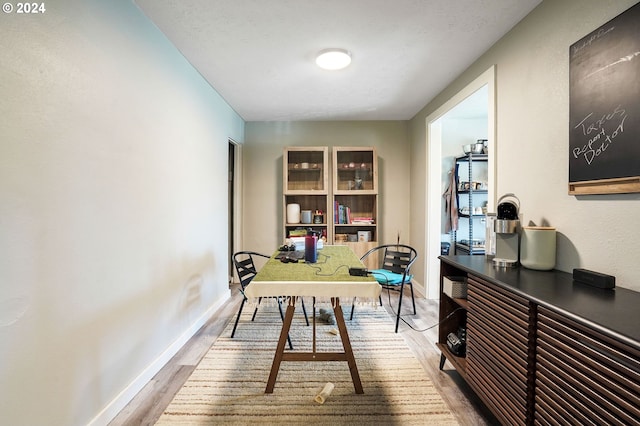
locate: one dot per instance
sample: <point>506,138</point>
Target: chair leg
<point>353,306</point>
<point>235,325</point>
<point>280,309</point>
<point>399,306</point>
<point>282,316</point>
<point>306,318</point>
<point>413,299</point>
<point>255,311</point>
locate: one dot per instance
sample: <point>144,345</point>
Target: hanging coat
<point>451,204</point>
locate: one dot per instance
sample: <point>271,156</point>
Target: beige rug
<point>228,385</point>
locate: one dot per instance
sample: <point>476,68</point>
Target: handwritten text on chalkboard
<point>595,130</point>
<point>576,48</point>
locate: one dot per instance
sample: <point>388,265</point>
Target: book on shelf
<point>341,214</point>
<point>362,220</point>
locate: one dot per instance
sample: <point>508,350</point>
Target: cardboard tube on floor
<point>324,393</point>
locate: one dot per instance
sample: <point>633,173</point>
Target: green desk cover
<point>328,277</point>
<point>333,265</point>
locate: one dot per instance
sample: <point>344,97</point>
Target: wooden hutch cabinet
<point>342,196</point>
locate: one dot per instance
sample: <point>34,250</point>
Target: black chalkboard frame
<point>604,129</point>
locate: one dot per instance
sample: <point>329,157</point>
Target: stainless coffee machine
<point>507,232</point>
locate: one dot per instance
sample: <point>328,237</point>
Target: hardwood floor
<point>151,401</point>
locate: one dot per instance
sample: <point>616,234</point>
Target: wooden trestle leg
<point>347,355</point>
<point>277,359</point>
<point>346,344</point>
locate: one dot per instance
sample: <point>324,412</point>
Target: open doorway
<point>232,204</point>
<point>479,93</point>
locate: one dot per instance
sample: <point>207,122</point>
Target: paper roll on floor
<point>324,393</point>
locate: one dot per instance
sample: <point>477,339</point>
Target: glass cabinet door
<point>305,170</point>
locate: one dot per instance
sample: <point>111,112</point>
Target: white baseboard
<point>418,288</point>
<point>121,400</point>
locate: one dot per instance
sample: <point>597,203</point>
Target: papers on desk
<point>297,255</point>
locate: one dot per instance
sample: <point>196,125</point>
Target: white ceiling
<point>259,55</point>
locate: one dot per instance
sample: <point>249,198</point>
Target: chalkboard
<point>604,108</point>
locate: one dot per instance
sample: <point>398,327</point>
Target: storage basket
<point>455,287</point>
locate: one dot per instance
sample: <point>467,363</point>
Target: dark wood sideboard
<point>541,349</point>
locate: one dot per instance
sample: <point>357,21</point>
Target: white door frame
<point>434,173</point>
<point>237,236</point>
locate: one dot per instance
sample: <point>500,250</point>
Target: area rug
<point>228,385</point>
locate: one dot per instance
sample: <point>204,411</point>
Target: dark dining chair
<point>246,269</point>
<point>394,272</point>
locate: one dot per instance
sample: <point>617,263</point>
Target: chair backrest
<point>396,258</point>
<point>245,266</point>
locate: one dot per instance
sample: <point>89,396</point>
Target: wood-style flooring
<point>151,401</point>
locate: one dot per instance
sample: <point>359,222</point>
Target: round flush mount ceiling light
<point>333,59</point>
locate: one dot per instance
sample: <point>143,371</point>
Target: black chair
<point>395,261</point>
<point>246,270</point>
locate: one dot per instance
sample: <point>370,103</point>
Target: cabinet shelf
<point>458,362</point>
<point>309,169</point>
<point>472,157</point>
<point>475,191</point>
<point>354,192</point>
<point>345,167</point>
<point>463,303</point>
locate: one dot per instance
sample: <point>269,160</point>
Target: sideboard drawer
<point>584,376</point>
<point>498,353</point>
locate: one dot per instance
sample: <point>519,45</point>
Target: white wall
<point>532,67</point>
<point>113,162</point>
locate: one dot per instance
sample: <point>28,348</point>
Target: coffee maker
<point>507,232</point>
